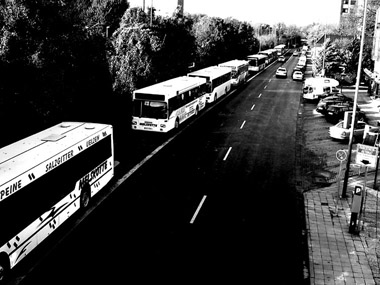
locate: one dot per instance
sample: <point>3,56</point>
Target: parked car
<point>281,58</point>
<point>300,67</point>
<point>340,133</point>
<point>335,99</point>
<point>281,72</point>
<point>296,53</point>
<point>334,113</point>
<point>297,75</point>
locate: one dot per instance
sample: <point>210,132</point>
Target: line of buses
<point>47,177</point>
<point>164,106</point>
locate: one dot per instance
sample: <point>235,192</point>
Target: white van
<point>313,88</point>
<point>302,60</point>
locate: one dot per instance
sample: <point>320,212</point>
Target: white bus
<point>271,55</point>
<point>239,70</point>
<point>218,81</point>
<point>280,49</point>
<point>257,62</point>
<point>165,105</point>
<point>44,179</point>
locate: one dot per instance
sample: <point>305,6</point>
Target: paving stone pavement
<point>335,255</point>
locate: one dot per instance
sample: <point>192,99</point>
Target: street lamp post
<point>345,182</point>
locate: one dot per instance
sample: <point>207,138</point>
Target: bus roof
<point>233,63</point>
<point>20,157</point>
<point>211,72</point>
<point>256,56</point>
<point>172,87</point>
<point>267,51</point>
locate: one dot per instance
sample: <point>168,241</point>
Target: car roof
<point>336,96</point>
<point>283,68</point>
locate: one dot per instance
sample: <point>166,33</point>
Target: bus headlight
<point>162,126</point>
<point>134,123</point>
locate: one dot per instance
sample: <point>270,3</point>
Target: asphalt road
<point>218,203</point>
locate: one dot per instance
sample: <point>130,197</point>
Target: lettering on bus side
<point>57,161</point>
<point>92,141</point>
<point>10,189</point>
<point>93,175</point>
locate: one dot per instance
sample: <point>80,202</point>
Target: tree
<point>135,44</point>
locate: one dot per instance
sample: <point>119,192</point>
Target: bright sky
<point>297,12</point>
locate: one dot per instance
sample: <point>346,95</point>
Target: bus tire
<point>85,196</point>
<point>4,267</point>
<point>176,124</point>
<point>196,111</point>
<point>215,97</point>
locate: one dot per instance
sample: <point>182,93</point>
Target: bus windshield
<point>150,109</point>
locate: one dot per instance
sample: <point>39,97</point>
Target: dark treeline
<point>81,60</point>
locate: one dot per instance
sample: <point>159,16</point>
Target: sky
<point>290,12</point>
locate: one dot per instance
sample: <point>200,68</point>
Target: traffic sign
<point>341,155</point>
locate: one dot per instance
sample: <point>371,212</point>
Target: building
<point>349,7</point>
<point>162,7</point>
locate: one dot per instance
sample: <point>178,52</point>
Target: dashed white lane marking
<point>265,87</point>
<point>259,95</point>
<point>253,107</point>
<point>228,152</point>
<point>198,209</point>
<point>242,125</point>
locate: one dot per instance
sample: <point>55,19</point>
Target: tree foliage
<point>218,40</point>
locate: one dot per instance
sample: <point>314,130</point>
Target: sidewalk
<point>335,255</point>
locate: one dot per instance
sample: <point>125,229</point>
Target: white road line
<point>228,152</point>
<point>265,87</point>
<point>242,125</point>
<point>198,209</point>
<point>253,107</point>
<point>259,95</point>
<point>270,80</point>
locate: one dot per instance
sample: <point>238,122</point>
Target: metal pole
<point>377,168</point>
<point>345,182</point>
<point>151,13</point>
<point>364,198</point>
<point>324,55</point>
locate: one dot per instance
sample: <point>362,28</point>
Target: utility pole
<point>324,56</point>
<point>345,182</point>
<point>151,12</point>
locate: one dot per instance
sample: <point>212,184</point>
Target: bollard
<point>355,208</point>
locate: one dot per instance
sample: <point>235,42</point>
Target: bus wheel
<point>196,111</point>
<point>4,268</point>
<point>85,196</point>
<point>215,97</point>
